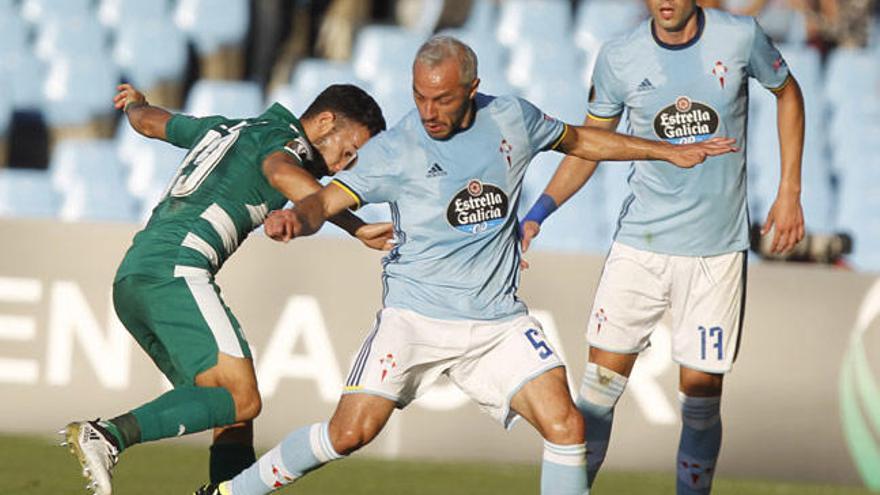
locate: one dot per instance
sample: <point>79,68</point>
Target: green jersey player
<point>237,170</point>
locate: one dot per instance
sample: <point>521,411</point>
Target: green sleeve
<point>184,130</point>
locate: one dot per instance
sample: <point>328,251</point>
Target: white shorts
<point>488,360</point>
<point>704,295</point>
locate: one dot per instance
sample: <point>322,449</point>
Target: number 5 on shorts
<point>536,341</point>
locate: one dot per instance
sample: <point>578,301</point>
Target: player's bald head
<point>439,49</point>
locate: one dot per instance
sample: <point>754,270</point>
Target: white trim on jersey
<point>223,225</point>
<point>198,280</point>
<point>201,246</point>
<point>258,213</point>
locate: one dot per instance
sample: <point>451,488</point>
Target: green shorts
<point>182,322</point>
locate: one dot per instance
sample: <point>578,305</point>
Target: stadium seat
<point>27,193</point>
<point>128,13</point>
<point>581,224</point>
<point>482,17</point>
<point>380,50</point>
<point>310,77</point>
<point>521,20</point>
<point>78,90</point>
<point>150,52</point>
<point>233,99</point>
<point>151,164</point>
<point>531,63</point>
<point>598,21</point>
<point>394,95</point>
<point>6,107</point>
<point>491,60</point>
<point>560,98</point>
<point>70,37</point>
<point>213,24</point>
<point>13,34</point>
<point>26,75</point>
<point>90,181</point>
<point>39,11</point>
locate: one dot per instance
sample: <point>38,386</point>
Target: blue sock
<point>600,390</point>
<point>563,470</point>
<point>699,445</point>
<point>302,451</point>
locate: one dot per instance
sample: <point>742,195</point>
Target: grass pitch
<point>36,465</point>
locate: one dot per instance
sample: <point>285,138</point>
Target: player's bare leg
<point>546,404</point>
<point>225,394</point>
<point>233,448</point>
<point>700,442</point>
<point>604,380</point>
<point>357,421</point>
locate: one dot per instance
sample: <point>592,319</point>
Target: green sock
<point>229,459</point>
<point>124,429</point>
<point>185,410</point>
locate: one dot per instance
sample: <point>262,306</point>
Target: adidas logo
<point>645,85</point>
<point>435,171</point>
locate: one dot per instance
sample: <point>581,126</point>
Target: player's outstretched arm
<point>146,119</point>
<point>570,176</point>
<point>595,144</point>
<point>786,216</point>
<point>295,183</point>
<point>309,214</point>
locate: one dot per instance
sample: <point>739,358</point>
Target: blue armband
<point>540,210</point>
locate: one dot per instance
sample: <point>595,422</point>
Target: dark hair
<point>349,102</point>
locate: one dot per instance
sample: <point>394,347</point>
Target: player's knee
<point>564,428</point>
<point>348,438</point>
<point>248,404</point>
<point>702,384</point>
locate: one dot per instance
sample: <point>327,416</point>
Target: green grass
<point>34,465</point>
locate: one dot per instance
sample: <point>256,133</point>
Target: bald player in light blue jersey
<point>681,237</point>
<point>452,172</point>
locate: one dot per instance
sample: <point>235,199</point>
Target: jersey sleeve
<point>183,130</point>
<point>377,175</point>
<point>606,96</point>
<point>765,62</point>
<point>544,132</point>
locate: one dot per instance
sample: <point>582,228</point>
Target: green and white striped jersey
<point>219,194</point>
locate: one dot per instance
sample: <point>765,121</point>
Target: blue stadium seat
<point>491,56</point>
<point>581,224</point>
<point>233,99</point>
<point>76,90</point>
<point>393,93</point>
<point>39,11</point>
<point>70,37</point>
<point>149,52</point>
<point>89,178</point>
<point>560,98</point>
<point>13,33</point>
<point>310,77</point>
<point>6,106</point>
<point>531,63</point>
<point>128,13</point>
<point>521,20</point>
<point>380,50</point>
<point>212,24</point>
<point>27,193</point>
<point>598,21</point>
<point>482,17</point>
<point>27,75</point>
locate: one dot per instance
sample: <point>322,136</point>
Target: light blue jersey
<point>453,204</point>
<point>683,94</point>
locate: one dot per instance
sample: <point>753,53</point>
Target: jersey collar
<point>701,24</point>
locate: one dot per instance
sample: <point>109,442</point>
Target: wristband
<point>541,209</point>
